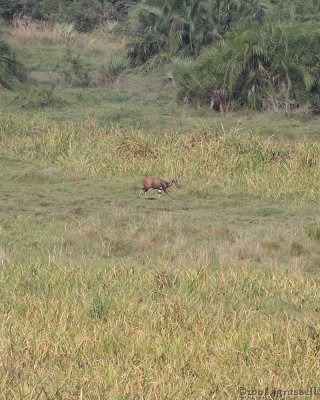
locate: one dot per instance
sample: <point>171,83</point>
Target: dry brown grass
<point>122,331</point>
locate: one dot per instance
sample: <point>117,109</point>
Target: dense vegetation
<point>181,28</point>
<point>184,27</point>
<point>262,55</point>
<point>295,10</point>
<point>10,69</point>
<point>262,67</point>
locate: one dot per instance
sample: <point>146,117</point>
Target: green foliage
<point>35,97</point>
<point>76,74</point>
<point>10,69</point>
<point>86,14</point>
<point>114,67</point>
<point>296,10</point>
<point>265,67</point>
<point>182,28</point>
<point>65,30</point>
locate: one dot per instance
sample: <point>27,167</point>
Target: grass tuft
<point>314,232</point>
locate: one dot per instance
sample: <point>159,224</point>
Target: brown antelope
<point>158,184</point>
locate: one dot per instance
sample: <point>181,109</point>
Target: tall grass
<point>27,32</point>
<point>126,331</point>
<point>39,34</point>
<point>202,159</point>
<point>107,297</point>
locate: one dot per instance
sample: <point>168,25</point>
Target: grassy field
<point>103,295</point>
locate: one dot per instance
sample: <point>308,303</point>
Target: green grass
<point>146,102</point>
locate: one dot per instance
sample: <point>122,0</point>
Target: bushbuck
<point>156,183</point>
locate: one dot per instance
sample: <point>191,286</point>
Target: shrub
<point>11,70</point>
<point>65,30</point>
<point>296,10</point>
<point>35,97</point>
<point>258,67</point>
<point>77,74</point>
<point>182,28</point>
<point>113,68</point>
<point>314,232</point>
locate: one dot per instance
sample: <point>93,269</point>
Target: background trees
<point>261,67</point>
<point>181,28</point>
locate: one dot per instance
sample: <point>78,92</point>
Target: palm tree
<point>183,27</point>
<point>255,66</point>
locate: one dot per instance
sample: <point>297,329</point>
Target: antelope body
<point>156,183</point>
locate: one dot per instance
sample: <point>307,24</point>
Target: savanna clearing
<point>107,296</point>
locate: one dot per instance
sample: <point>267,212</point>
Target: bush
<point>77,74</point>
<point>258,67</point>
<point>11,70</point>
<point>113,68</point>
<point>85,14</point>
<point>296,10</point>
<point>183,28</point>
